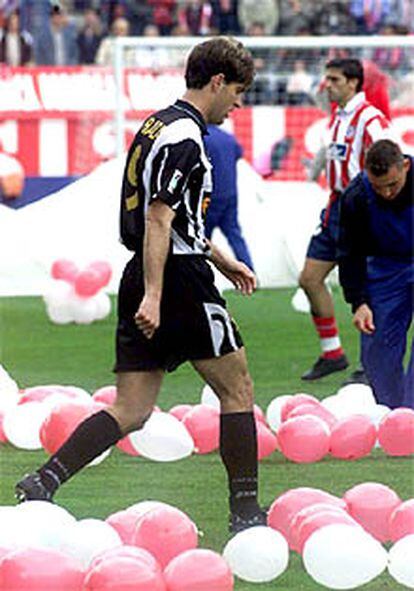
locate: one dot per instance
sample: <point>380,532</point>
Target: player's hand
<point>363,319</point>
<point>241,276</point>
<point>147,317</point>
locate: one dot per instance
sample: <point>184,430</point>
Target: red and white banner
<point>60,121</point>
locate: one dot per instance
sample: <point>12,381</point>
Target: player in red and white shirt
<point>355,124</point>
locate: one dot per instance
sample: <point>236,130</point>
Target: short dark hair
<point>219,55</point>
<point>350,68</point>
<point>382,155</point>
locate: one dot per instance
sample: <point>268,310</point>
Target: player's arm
<point>156,247</point>
<point>352,251</point>
<point>237,272</point>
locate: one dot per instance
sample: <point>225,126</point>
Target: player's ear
<point>407,164</point>
<point>217,81</point>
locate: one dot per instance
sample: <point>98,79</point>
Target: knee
<point>310,282</point>
<point>238,397</point>
<point>129,419</point>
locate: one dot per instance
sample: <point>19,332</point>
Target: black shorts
<point>194,321</point>
<point>323,245</point>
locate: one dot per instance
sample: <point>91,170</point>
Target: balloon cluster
<point>347,425</point>
<point>75,295</point>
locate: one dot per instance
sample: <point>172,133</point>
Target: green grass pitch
<point>280,343</point>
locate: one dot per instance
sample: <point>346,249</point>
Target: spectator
<point>106,50</point>
<point>196,16</point>
<point>261,90</point>
<point>299,85</point>
<point>334,18</point>
<point>163,14</point>
<point>153,58</point>
<point>268,15</point>
<point>56,44</point>
<point>295,16</point>
<point>390,59</point>
<point>90,36</point>
<point>369,15</point>
<point>225,16</point>
<point>16,46</point>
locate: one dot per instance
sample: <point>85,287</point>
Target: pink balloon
<point>180,410</point>
<point>61,422</point>
<point>126,551</point>
<point>294,401</point>
<point>287,505</point>
<point>371,504</point>
<point>396,432</point>
<point>3,438</point>
<point>316,410</point>
<point>304,439</point>
<point>87,283</point>
<point>201,570</point>
<point>40,569</point>
<point>40,393</point>
<point>203,424</point>
<point>123,573</point>
<point>318,520</point>
<point>353,437</point>
<point>64,269</point>
<point>104,271</point>
<point>266,441</point>
<point>126,446</point>
<point>165,532</point>
<point>259,414</point>
<point>402,521</point>
<point>124,522</point>
<point>106,394</point>
<point>303,514</point>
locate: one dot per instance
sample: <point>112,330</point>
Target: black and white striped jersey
<point>167,161</point>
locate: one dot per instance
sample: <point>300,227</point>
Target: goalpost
<point>280,61</point>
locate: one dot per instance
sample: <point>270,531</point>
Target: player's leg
<point>136,395</point>
<point>229,377</point>
<point>383,351</point>
<point>312,281</point>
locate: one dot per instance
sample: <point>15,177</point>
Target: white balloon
<point>87,538</point>
<point>48,520</point>
<point>273,411</point>
<point>22,423</point>
<point>300,302</point>
<point>401,564</point>
<point>9,390</point>
<point>58,300</point>
<point>99,459</point>
<point>163,438</point>
<point>103,305</point>
<point>341,556</point>
<point>258,554</point>
<point>84,310</point>
<point>209,397</point>
<point>342,405</point>
<point>360,394</point>
<point>14,530</point>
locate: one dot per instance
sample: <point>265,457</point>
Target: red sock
<point>329,337</point>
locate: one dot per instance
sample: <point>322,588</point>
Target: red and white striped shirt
<point>351,132</point>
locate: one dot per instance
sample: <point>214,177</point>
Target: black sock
<point>91,438</point>
<point>238,449</point>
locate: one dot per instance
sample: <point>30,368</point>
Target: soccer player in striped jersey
<point>354,126</point>
<point>169,310</point>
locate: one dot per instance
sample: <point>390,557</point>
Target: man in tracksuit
<point>376,268</point>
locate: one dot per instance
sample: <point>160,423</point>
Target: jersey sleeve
<point>352,262</point>
<point>171,171</point>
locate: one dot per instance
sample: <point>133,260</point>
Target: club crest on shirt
<point>175,178</point>
<point>350,132</point>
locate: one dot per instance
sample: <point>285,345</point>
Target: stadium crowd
<point>79,27</point>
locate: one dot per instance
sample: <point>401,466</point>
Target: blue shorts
<point>324,242</point>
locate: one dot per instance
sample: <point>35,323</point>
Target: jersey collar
<point>192,112</point>
<point>354,103</point>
